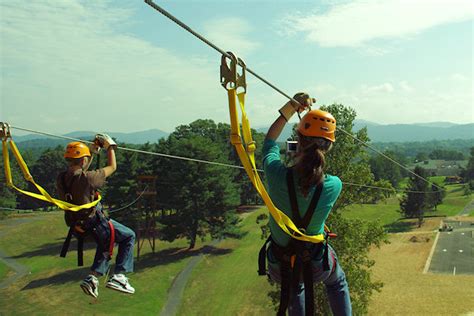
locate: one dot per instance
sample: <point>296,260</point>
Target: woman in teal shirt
<point>314,192</point>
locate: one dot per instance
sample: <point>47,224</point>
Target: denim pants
<point>125,238</point>
<point>334,279</point>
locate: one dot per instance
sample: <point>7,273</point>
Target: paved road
<point>19,269</point>
<point>175,293</point>
<point>454,253</point>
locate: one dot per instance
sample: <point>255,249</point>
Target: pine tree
<point>414,204</point>
<point>203,197</point>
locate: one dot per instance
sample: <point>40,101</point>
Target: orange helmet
<point>77,150</point>
<point>317,123</point>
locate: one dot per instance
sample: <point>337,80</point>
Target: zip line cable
<point>202,38</point>
<point>390,159</point>
<point>136,150</point>
<point>131,203</point>
<point>200,160</point>
<point>209,43</point>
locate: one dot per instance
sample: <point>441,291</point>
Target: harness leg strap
<point>80,251</point>
<point>285,288</point>
<point>66,243</point>
<point>262,258</point>
<point>308,288</point>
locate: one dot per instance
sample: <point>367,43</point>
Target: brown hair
<point>310,161</point>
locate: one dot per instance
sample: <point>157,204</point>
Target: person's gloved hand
<point>105,141</point>
<point>94,147</point>
<point>304,101</point>
<point>300,102</point>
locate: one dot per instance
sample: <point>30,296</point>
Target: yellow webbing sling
<point>231,81</point>
<point>44,196</point>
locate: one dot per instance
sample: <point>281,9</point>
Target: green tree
<point>382,168</point>
<point>121,187</point>
<point>203,196</point>
<point>9,197</point>
<point>44,171</point>
<point>446,154</point>
<point>421,156</point>
<point>414,202</point>
<point>468,173</point>
<point>436,197</point>
<point>220,134</point>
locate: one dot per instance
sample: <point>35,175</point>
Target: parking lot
<point>454,252</point>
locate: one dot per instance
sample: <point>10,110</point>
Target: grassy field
<point>52,288</point>
<point>4,270</point>
<point>388,211</point>
<point>229,285</point>
<point>407,291</point>
<point>226,281</point>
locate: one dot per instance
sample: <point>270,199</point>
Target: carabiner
<point>5,131</point>
<point>230,77</point>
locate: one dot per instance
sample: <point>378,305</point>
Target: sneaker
<point>120,283</point>
<point>90,286</point>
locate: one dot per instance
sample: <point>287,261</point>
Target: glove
<point>94,147</point>
<point>304,100</point>
<point>290,108</point>
<point>105,141</point>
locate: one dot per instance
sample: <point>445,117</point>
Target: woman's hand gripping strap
<point>231,81</point>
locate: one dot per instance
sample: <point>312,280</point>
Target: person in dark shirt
<point>79,186</point>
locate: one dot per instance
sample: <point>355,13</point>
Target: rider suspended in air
<point>79,186</point>
<point>306,194</point>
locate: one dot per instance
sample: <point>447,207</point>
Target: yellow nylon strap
<point>44,196</point>
<point>247,157</point>
<point>6,164</point>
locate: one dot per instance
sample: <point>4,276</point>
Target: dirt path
<point>175,293</point>
<point>18,269</point>
<point>467,209</point>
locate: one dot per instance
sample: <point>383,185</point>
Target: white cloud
<point>384,88</point>
<point>357,23</point>
<point>65,67</point>
<point>405,86</point>
<point>425,100</point>
<point>231,34</point>
<point>459,77</point>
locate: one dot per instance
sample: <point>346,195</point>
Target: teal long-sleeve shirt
<point>275,175</point>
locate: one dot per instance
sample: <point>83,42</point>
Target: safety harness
<point>296,258</point>
<point>102,229</point>
<point>86,222</point>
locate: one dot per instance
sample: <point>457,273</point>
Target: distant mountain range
<point>416,132</point>
<point>377,133</point>
<point>404,132</point>
<point>34,140</point>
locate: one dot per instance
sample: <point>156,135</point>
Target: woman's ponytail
<point>310,161</point>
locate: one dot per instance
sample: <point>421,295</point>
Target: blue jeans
<point>334,279</point>
<point>125,238</point>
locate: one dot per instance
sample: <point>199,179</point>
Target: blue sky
<point>121,66</point>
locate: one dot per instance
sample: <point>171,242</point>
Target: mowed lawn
<point>226,281</point>
<point>4,270</point>
<point>407,291</point>
<point>52,288</point>
<point>229,285</point>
